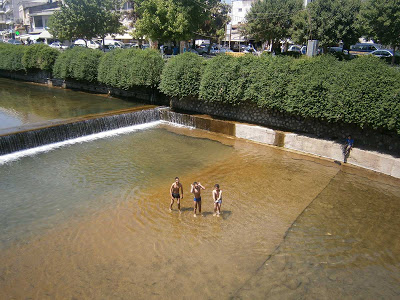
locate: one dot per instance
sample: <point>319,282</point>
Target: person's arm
<point>182,191</point>
<point>192,189</point>
<point>214,196</point>
<point>170,190</point>
<point>220,195</point>
<point>202,187</point>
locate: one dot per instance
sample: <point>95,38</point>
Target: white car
<point>90,44</point>
<point>58,45</point>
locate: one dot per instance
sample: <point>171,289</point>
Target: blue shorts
<point>219,201</point>
<point>197,199</point>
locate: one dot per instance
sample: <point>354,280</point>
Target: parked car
<point>294,48</point>
<point>214,50</point>
<point>14,42</point>
<point>58,45</point>
<point>116,44</point>
<point>364,48</point>
<point>383,53</point>
<point>90,44</point>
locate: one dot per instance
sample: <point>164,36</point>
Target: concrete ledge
<point>375,161</point>
<point>256,133</point>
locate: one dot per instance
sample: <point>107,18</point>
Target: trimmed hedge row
<point>40,57</point>
<point>182,75</point>
<point>127,68</point>
<point>78,63</point>
<point>11,57</point>
<point>18,57</point>
<point>364,91</point>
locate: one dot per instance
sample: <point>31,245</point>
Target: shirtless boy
<point>196,188</point>
<point>174,191</point>
<point>217,197</point>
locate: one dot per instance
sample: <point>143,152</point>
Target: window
<point>239,10</point>
<point>38,21</point>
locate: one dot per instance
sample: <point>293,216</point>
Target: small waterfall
<point>177,118</point>
<point>53,134</point>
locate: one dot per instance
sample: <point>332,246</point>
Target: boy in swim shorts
<point>196,188</point>
<point>217,197</point>
<point>174,191</point>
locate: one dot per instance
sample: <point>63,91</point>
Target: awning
<point>45,35</point>
<point>125,36</point>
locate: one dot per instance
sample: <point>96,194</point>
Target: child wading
<point>217,197</point>
<point>196,188</point>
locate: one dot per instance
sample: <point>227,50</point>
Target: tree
<point>328,21</point>
<point>177,20</point>
<point>270,20</point>
<point>380,21</point>
<point>85,19</point>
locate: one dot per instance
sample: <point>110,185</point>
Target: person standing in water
<point>174,191</point>
<point>196,189</point>
<point>217,197</point>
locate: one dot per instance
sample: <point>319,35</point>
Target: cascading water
<point>52,134</point>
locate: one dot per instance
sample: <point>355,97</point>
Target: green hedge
<point>131,67</point>
<point>78,63</point>
<point>11,57</point>
<point>39,56</point>
<point>364,91</point>
<point>181,75</point>
<point>226,78</point>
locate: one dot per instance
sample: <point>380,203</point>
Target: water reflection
<point>23,103</point>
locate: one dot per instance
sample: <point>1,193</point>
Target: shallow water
<point>91,221</point>
<point>22,103</point>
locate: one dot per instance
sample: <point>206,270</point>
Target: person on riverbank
<point>196,188</point>
<point>348,145</point>
<point>174,191</point>
<point>217,197</point>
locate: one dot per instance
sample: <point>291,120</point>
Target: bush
<point>78,63</point>
<point>364,91</point>
<point>226,78</point>
<point>11,57</point>
<point>131,67</point>
<point>181,75</point>
<point>39,56</point>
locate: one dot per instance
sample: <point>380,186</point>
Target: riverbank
<point>305,143</point>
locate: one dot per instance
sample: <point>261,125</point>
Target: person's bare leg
<point>219,208</point>
<point>199,204</point>
<point>215,209</point>
<point>178,201</point>
<point>195,208</point>
<point>172,202</point>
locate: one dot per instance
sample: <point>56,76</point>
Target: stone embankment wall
<point>364,138</point>
<point>142,94</point>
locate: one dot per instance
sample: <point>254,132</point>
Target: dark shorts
<point>176,196</point>
<point>197,199</point>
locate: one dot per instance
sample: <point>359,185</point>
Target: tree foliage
<point>380,21</point>
<point>85,19</point>
<point>178,20</point>
<point>328,21</point>
<point>11,57</point>
<point>270,20</point>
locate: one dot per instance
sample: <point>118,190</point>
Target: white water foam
<point>33,151</point>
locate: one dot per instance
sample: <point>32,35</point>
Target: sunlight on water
<point>91,220</point>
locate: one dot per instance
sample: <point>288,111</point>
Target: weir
<point>74,128</point>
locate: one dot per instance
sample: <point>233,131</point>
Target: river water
<point>25,104</point>
<point>91,221</point>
